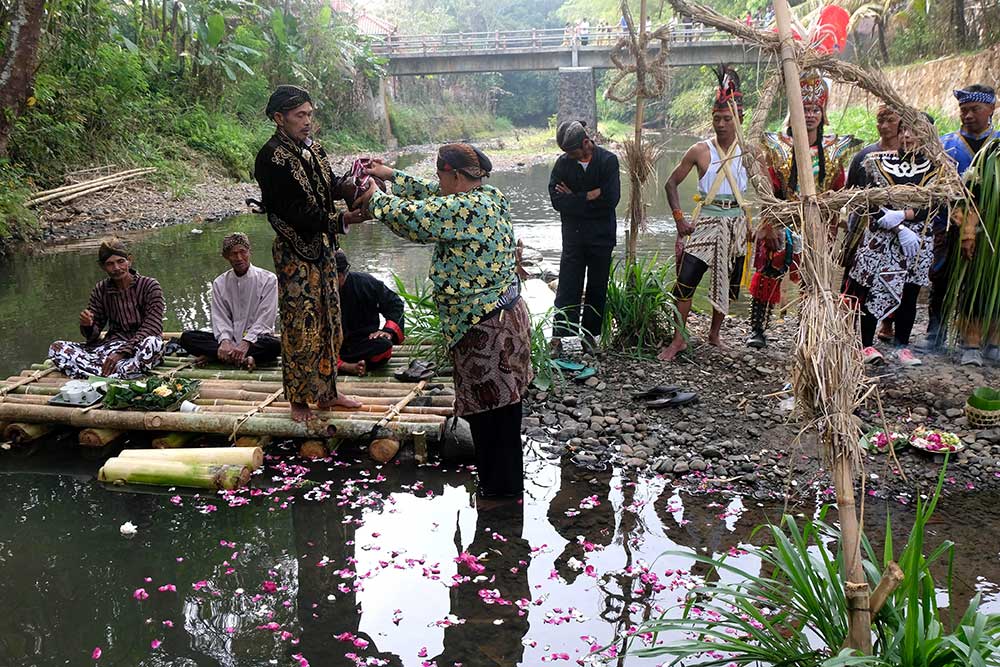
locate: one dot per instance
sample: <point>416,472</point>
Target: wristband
<point>678,215</point>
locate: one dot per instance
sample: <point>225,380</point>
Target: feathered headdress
<point>728,90</point>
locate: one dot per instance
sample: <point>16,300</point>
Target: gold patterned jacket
<point>837,152</point>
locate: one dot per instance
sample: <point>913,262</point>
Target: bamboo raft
<point>239,404</point>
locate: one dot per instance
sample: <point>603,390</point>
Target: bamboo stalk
<point>261,441</point>
<point>280,411</point>
<point>86,188</point>
<point>173,440</point>
<point>420,446</point>
<point>314,449</point>
<point>252,457</point>
<point>324,425</point>
<point>444,411</point>
<point>28,380</point>
<point>891,580</point>
<point>72,186</point>
<point>23,432</point>
<point>99,437</point>
<point>174,473</point>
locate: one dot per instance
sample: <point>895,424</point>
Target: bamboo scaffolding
<point>276,411</point>
<point>252,457</point>
<point>377,408</point>
<point>324,425</point>
<point>71,192</point>
<point>174,473</point>
<point>99,437</point>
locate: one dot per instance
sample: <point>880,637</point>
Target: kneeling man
<point>244,309</point>
<point>131,306</point>
<point>363,297</point>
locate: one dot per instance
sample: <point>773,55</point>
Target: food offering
<point>155,394</point>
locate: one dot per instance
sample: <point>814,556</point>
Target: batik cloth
<point>492,362</point>
<point>77,360</point>
<point>719,241</point>
<point>310,323</point>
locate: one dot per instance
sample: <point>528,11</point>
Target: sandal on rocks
<point>585,374</point>
<point>658,391</point>
<point>568,365</point>
<point>672,401</point>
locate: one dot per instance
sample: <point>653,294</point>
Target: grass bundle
<point>640,162</point>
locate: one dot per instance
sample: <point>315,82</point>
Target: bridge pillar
<point>577,96</point>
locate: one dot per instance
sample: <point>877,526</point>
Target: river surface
<point>359,565</point>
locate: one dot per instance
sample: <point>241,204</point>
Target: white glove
<point>891,219</point>
<point>909,241</point>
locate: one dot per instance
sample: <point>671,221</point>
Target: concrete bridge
<point>574,56</point>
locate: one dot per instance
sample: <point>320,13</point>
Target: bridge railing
<point>544,39</point>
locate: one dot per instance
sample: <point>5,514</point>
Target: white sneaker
<point>872,356</point>
<point>905,357</point>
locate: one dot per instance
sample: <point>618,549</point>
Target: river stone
<point>530,422</point>
<point>952,413</point>
<point>698,465</point>
<point>592,382</point>
<point>570,401</point>
<point>681,467</point>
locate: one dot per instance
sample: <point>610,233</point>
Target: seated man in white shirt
<point>244,309</point>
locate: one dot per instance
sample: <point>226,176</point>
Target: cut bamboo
<point>261,441</point>
<point>99,437</point>
<point>174,473</point>
<point>252,457</point>
<point>28,380</point>
<point>279,411</point>
<point>78,190</point>
<point>420,446</point>
<point>22,432</point>
<point>314,449</point>
<point>198,422</point>
<point>173,440</point>
<point>891,580</point>
<point>73,186</point>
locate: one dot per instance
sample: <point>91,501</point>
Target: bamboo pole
<point>420,446</point>
<point>252,457</point>
<point>314,448</point>
<point>102,186</point>
<point>279,411</point>
<point>174,473</point>
<point>859,615</point>
<point>261,441</point>
<point>75,186</point>
<point>99,437</point>
<point>72,192</point>
<point>892,577</point>
<point>24,432</point>
<point>37,375</point>
<point>635,184</point>
<point>368,407</point>
<point>323,425</point>
<point>173,440</point>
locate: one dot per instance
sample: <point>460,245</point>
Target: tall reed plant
<point>794,613</point>
<point>641,312</point>
<point>423,324</point>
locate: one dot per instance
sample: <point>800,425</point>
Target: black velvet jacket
<point>362,298</point>
<point>587,222</point>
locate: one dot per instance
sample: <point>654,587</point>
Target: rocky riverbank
<point>742,435</point>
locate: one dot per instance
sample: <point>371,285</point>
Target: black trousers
<point>692,270</point>
<point>944,241</point>
<point>581,263</point>
<point>375,351</point>
<point>903,317</point>
<point>203,343</point>
<point>496,437</point>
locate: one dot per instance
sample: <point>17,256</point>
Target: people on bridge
<point>484,320</point>
<point>244,310</point>
<point>778,248</point>
<point>976,105</point>
<point>130,305</point>
<point>893,259</point>
<point>298,189</point>
<point>715,236</point>
<point>584,187</point>
<point>363,298</point>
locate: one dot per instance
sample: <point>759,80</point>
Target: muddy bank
<point>741,435</point>
<point>137,205</point>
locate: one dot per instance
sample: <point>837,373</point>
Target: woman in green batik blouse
<point>477,293</point>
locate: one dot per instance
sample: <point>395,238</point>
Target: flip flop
<point>567,365</point>
<point>585,374</point>
<point>417,370</point>
<point>678,399</point>
<point>658,391</point>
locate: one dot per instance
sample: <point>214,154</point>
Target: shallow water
<point>365,551</point>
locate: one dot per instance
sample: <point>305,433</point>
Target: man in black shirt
<point>585,187</point>
<point>363,297</point>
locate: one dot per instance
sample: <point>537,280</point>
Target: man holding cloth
<point>585,187</point>
<point>244,308</point>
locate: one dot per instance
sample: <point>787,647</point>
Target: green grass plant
<point>641,312</point>
<point>794,611</point>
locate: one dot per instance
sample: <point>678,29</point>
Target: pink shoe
<point>907,358</point>
<point>872,356</point>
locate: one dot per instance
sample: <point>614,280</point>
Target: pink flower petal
<point>96,654</point>
<point>155,644</point>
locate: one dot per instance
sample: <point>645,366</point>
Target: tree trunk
<point>882,46</point>
<point>961,30</point>
<point>17,64</point>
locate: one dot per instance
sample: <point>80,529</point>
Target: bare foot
<point>671,351</point>
<point>341,401</point>
<point>249,363</point>
<point>201,360</point>
<point>717,342</point>
<point>301,412</point>
<point>353,369</point>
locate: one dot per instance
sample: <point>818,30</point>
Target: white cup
<point>188,406</point>
<point>74,394</point>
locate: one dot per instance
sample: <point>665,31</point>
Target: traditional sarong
<point>720,242</point>
<point>310,323</point>
<point>880,265</point>
<point>492,362</point>
<point>78,360</point>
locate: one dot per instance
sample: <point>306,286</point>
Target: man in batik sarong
<point>894,257</point>
<point>778,248</point>
<point>715,237</point>
<point>298,188</point>
<point>131,307</point>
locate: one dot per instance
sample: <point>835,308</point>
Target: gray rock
<point>711,452</point>
<point>952,413</point>
<point>592,382</point>
<point>681,467</point>
<point>698,465</point>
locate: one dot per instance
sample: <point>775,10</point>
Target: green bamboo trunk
<point>174,473</point>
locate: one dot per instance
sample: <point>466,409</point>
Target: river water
<point>358,565</point>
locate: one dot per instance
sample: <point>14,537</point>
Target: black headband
<point>285,98</point>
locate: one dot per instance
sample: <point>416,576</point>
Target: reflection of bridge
<point>545,49</point>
